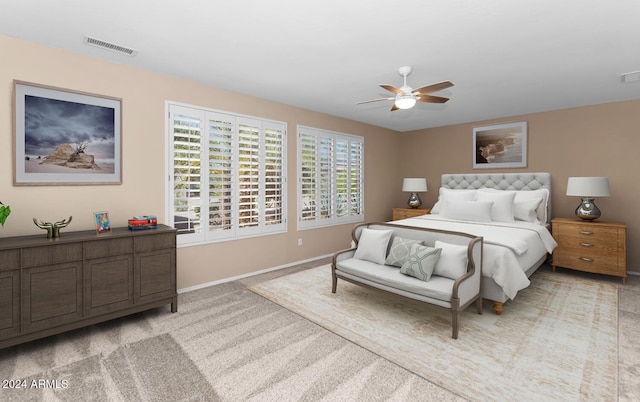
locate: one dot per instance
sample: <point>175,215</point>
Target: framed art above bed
<point>500,146</point>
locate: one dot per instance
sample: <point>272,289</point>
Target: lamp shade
<point>588,187</point>
<point>414,185</point>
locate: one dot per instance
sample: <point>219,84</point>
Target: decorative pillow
<point>372,245</point>
<point>449,194</point>
<point>541,211</point>
<point>526,210</point>
<point>453,260</point>
<point>502,209</point>
<point>399,251</point>
<point>478,211</point>
<point>421,262</point>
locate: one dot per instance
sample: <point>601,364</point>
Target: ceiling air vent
<point>631,77</point>
<point>109,46</point>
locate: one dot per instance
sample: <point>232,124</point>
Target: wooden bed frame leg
<point>498,307</point>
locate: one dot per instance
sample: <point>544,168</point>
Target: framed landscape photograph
<point>65,137</point>
<point>500,146</point>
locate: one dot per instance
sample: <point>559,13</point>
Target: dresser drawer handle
<point>586,259</point>
<point>586,244</point>
<point>584,232</point>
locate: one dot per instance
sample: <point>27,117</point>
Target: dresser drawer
<point>9,260</point>
<point>108,247</point>
<point>47,255</point>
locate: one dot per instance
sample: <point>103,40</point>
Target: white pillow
<point>453,260</point>
<point>477,211</point>
<point>541,211</point>
<point>449,194</point>
<point>502,209</point>
<point>372,245</point>
<point>526,210</point>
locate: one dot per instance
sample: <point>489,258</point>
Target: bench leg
<point>455,313</point>
<point>479,305</point>
<point>454,324</point>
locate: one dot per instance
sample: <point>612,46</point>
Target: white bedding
<point>509,248</point>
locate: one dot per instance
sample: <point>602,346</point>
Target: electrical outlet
<point>300,242</point>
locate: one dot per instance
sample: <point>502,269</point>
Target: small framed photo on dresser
<point>102,222</point>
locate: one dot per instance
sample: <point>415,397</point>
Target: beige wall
<point>143,96</point>
<point>599,140</point>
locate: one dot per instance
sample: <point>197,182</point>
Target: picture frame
<point>101,220</point>
<point>500,146</point>
<point>65,137</point>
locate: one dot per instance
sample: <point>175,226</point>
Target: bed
<point>511,211</point>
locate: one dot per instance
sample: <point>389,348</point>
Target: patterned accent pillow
<point>399,251</point>
<point>421,262</point>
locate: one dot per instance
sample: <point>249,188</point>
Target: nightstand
<point>403,213</point>
<point>597,247</point>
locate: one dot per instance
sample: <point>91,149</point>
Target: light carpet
<point>224,344</point>
<point>557,341</point>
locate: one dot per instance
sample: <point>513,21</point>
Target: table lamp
<point>588,188</point>
<point>414,186</point>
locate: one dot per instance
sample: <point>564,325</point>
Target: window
<point>227,175</point>
<point>330,178</point>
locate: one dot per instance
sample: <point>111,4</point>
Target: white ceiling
<point>505,57</point>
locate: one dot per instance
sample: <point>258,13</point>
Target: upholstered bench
<point>440,269</point>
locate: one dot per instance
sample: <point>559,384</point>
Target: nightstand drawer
<point>404,213</point>
<point>588,262</point>
<point>589,246</point>
<point>604,237</point>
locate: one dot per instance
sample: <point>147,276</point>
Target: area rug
<point>557,341</point>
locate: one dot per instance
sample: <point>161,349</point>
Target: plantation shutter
<point>221,175</point>
<point>330,178</point>
<point>308,177</point>
<point>229,175</point>
<point>186,130</point>
<point>274,145</point>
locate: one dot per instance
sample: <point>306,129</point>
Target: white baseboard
<point>235,278</point>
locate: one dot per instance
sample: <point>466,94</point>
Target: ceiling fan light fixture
<point>405,101</point>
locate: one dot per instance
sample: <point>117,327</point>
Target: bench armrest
<point>466,287</point>
<point>342,255</point>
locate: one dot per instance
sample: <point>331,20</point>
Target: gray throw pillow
<point>421,262</point>
<point>399,251</point>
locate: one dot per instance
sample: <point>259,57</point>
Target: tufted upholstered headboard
<point>500,181</point>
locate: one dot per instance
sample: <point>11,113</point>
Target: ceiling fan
<point>406,97</point>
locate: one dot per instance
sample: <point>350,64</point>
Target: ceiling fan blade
<point>394,107</point>
<point>393,89</point>
<point>431,99</point>
<point>433,87</point>
<point>374,100</point>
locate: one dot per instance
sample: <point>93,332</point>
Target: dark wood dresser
<point>48,286</point>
